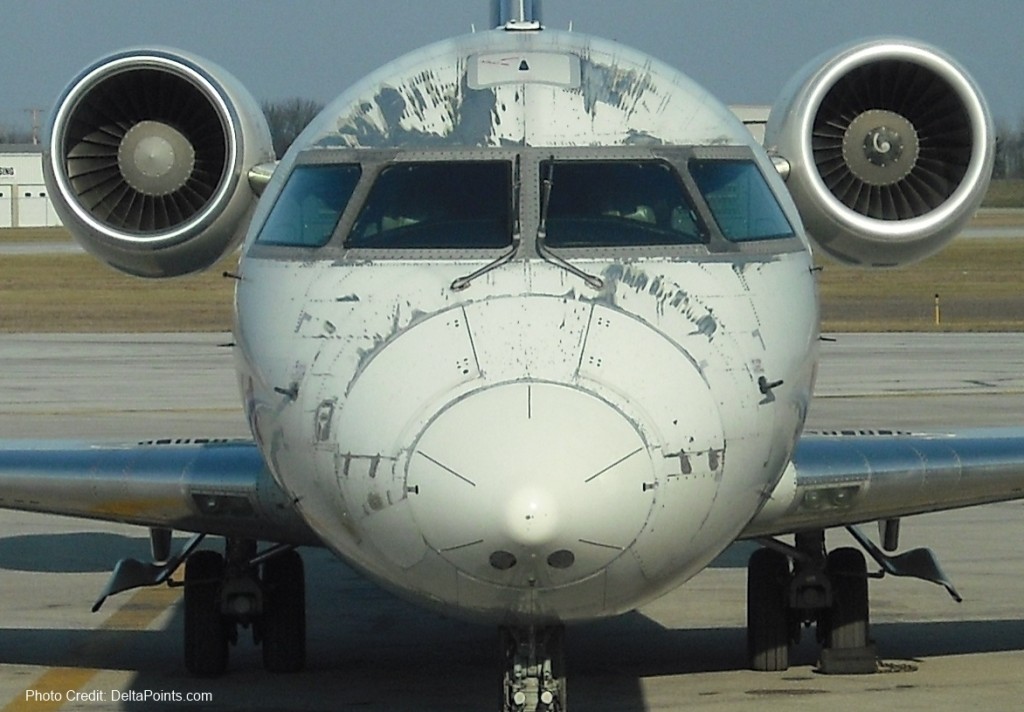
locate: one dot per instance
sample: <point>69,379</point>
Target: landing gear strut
<point>534,669</point>
<point>829,591</point>
<point>242,589</point>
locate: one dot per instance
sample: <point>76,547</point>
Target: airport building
<point>23,196</point>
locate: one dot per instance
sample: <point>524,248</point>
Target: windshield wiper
<point>542,233</point>
<point>505,257</point>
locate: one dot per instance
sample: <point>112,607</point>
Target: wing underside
<point>841,479</point>
<point>212,487</point>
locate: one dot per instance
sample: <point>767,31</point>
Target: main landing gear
<point>827,590</point>
<point>243,589</point>
<point>534,669</point>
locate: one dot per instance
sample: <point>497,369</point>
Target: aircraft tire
<point>768,629</point>
<point>849,614</point>
<point>284,613</point>
<point>206,629</point>
<point>549,652</point>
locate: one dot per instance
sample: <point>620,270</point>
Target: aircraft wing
<point>843,478</point>
<point>213,487</point>
<point>223,487</point>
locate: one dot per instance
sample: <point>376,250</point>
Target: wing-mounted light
<point>890,146</point>
<point>147,161</point>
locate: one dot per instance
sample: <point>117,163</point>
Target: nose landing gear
<point>534,669</point>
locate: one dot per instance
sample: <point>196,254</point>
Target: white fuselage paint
<point>529,448</point>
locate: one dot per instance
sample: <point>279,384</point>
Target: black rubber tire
<point>768,625</point>
<point>206,629</point>
<point>848,617</point>
<point>553,641</point>
<point>283,624</point>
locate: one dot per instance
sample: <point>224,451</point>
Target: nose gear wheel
<point>534,669</point>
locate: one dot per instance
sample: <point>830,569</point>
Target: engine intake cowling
<point>147,160</point>
<point>890,146</point>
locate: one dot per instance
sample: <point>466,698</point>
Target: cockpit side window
<point>620,203</point>
<point>437,205</point>
<point>310,205</point>
<point>740,200</point>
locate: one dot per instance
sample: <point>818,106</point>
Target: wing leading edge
<point>839,479</point>
<point>223,487</point>
<point>216,487</point>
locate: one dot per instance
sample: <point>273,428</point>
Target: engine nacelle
<point>890,146</point>
<point>147,159</point>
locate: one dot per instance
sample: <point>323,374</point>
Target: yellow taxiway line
<point>49,691</point>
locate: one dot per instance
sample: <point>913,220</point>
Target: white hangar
<point>23,196</point>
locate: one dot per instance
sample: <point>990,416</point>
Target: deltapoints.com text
<point>102,696</point>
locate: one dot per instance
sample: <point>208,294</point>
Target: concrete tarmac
<point>369,651</point>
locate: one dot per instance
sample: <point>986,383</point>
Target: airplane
<point>526,330</point>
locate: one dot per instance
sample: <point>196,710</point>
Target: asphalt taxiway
<point>369,651</point>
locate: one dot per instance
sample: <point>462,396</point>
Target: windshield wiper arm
<point>542,233</point>
<point>462,282</point>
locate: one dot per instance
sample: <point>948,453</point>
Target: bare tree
<point>287,118</point>
<point>1009,151</point>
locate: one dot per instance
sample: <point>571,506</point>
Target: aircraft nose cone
<point>532,471</point>
<point>531,518</point>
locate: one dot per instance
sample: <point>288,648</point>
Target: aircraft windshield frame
<point>438,205</point>
<point>617,202</point>
<point>711,239</point>
<point>740,200</point>
<point>684,225</point>
<point>310,205</point>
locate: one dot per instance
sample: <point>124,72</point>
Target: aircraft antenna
<point>516,14</point>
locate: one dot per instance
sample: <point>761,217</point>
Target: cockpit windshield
<point>438,205</point>
<point>310,205</point>
<point>586,198</point>
<point>740,200</point>
<point>619,203</point>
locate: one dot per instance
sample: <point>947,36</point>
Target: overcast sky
<point>743,50</point>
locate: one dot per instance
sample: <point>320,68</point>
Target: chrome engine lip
<point>203,80</point>
<point>790,135</point>
<point>976,109</point>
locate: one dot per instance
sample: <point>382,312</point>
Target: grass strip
<point>979,283</point>
<point>75,293</point>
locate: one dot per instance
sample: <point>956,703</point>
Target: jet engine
<point>890,148</point>
<point>147,159</point>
